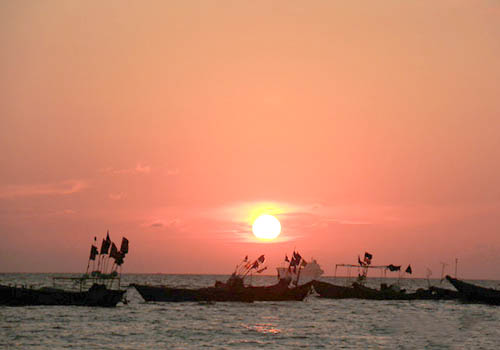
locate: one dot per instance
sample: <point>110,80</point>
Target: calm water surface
<point>312,324</point>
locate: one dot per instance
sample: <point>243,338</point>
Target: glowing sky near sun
<point>362,126</point>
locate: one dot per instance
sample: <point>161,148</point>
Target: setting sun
<point>266,227</point>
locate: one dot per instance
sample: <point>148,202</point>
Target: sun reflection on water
<point>265,328</point>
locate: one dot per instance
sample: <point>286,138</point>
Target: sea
<point>315,323</point>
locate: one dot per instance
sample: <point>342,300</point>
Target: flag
<point>264,268</point>
<point>294,261</point>
<point>255,264</point>
<point>246,259</point>
<point>106,243</point>
<point>261,259</point>
<point>105,246</point>
<point>93,252</point>
<point>297,256</point>
<point>368,258</point>
<point>119,258</point>
<point>408,269</point>
<point>304,263</point>
<point>360,262</point>
<point>124,246</point>
<point>286,258</point>
<point>392,267</point>
<point>114,251</point>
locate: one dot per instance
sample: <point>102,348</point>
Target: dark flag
<point>262,269</point>
<point>261,259</point>
<point>360,262</point>
<point>93,252</point>
<point>105,246</point>
<point>368,258</point>
<point>286,258</point>
<point>119,258</point>
<point>255,264</point>
<point>294,261</point>
<point>408,269</point>
<point>124,246</point>
<point>297,256</point>
<point>246,259</point>
<point>393,268</point>
<point>113,253</point>
<point>106,243</point>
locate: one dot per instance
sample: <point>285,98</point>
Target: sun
<point>266,227</point>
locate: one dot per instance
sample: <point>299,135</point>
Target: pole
<point>88,265</point>
<point>298,276</point>
<point>442,270</point>
<point>456,267</point>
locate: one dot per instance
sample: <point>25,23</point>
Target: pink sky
<point>365,126</point>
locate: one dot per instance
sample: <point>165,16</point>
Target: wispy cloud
<point>117,196</point>
<point>172,172</point>
<point>62,212</point>
<point>138,169</point>
<point>60,188</point>
<point>160,224</point>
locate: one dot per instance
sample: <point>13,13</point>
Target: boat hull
<point>223,293</point>
<point>472,293</point>
<point>97,295</point>
<point>357,291</point>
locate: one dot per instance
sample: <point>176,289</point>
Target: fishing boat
<point>96,295</point>
<point>359,291</point>
<point>100,293</point>
<point>233,290</point>
<point>386,292</point>
<point>472,293</point>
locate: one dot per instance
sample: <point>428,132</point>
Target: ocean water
<point>312,324</point>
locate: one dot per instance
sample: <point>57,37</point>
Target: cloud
<point>53,189</point>
<point>172,172</point>
<point>117,196</point>
<point>61,212</point>
<point>172,223</point>
<point>138,169</point>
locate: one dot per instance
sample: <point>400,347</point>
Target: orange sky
<point>369,126</point>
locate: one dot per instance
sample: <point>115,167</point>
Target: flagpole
<point>104,264</point>
<point>98,262</point>
<point>88,265</point>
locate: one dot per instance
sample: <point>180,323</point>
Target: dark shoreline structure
<point>471,293</point>
<point>358,291</point>
<point>97,295</point>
